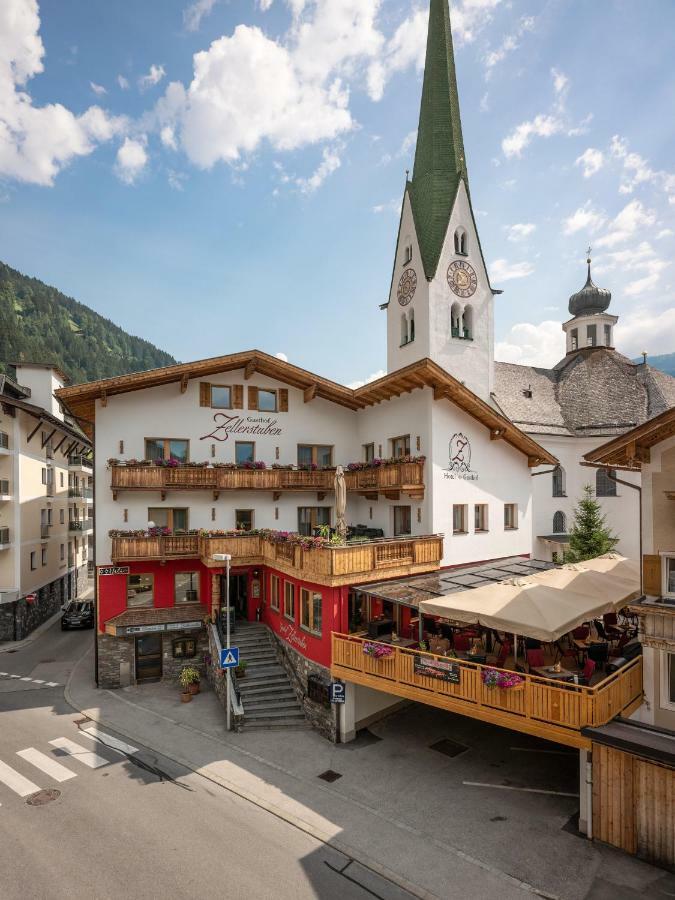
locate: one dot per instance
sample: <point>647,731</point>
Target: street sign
<point>229,659</point>
<point>337,692</point>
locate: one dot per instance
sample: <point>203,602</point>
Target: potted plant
<point>189,681</point>
<point>240,670</point>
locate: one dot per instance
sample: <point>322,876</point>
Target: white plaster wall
<point>648,470</point>
<point>622,512</point>
<point>503,477</point>
<point>42,383</point>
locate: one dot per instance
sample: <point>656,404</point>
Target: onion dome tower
<point>591,325</point>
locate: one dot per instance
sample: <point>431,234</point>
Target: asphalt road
<point>87,816</point>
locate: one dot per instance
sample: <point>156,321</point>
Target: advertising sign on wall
<point>459,460</point>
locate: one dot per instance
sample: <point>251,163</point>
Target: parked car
<point>78,614</point>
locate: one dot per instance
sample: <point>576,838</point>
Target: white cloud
<point>265,4</point>
<point>131,159</point>
<point>281,356</point>
<point>175,179</point>
<point>592,161</point>
<point>98,89</point>
<point>510,43</point>
<point>532,345</point>
<point>193,15</point>
<point>521,137</point>
<point>560,81</point>
<point>407,146</point>
<point>637,171</point>
<point>664,233</point>
<point>393,206</point>
<point>586,218</point>
<point>168,137</point>
<point>520,232</point>
<point>631,218</point>
<point>503,270</point>
<point>36,142</point>
<point>646,328</point>
<point>357,384</point>
<point>329,164</point>
<point>123,82</point>
<point>153,77</point>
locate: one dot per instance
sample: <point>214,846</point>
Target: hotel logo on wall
<point>227,425</point>
<point>459,453</point>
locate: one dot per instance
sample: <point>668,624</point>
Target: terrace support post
<point>585,793</point>
<point>421,626</point>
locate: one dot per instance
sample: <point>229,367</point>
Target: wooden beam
<point>534,461</point>
<point>496,434</point>
<point>311,392</point>
<point>69,449</point>
<point>34,431</point>
<point>104,398</point>
<point>250,369</point>
<point>184,383</point>
<point>43,443</point>
<point>60,442</point>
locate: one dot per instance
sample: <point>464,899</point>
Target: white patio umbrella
<point>341,503</point>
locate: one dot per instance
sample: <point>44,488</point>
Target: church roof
<point>592,392</point>
<point>440,161</point>
<point>590,299</point>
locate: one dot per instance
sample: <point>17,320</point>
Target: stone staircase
<point>266,692</point>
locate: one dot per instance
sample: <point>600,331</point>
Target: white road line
<point>95,734</point>
<point>48,765</point>
<point>26,679</point>
<point>508,787</point>
<point>15,676</point>
<point>52,684</point>
<point>77,751</point>
<point>38,680</point>
<point>16,782</point>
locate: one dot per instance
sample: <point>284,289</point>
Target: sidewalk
<point>399,808</point>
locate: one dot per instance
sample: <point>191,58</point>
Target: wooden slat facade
<point>542,707</point>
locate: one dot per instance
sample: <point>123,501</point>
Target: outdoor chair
<point>562,652</point>
<point>598,654</point>
<point>581,633</point>
<point>503,655</point>
<point>535,659</point>
<point>462,642</point>
<point>589,669</point>
<point>611,626</point>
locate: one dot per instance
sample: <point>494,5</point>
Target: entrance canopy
<point>547,605</point>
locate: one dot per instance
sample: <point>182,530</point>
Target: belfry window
<point>411,326</point>
<point>455,320</point>
<point>574,339</point>
<point>608,335</point>
<point>559,482</point>
<point>404,329</point>
<point>461,242</point>
<point>591,335</point>
<point>407,254</point>
<point>467,325</point>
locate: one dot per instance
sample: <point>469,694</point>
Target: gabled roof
<point>81,399</point>
<point>632,449</point>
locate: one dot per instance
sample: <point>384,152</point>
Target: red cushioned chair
<point>504,653</point>
<point>589,669</point>
<point>462,642</point>
<point>535,659</point>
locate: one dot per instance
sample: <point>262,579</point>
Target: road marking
<point>77,751</point>
<point>38,681</point>
<point>16,782</point>
<point>26,679</point>
<point>15,676</point>
<point>52,684</point>
<point>95,734</point>
<point>48,765</point>
<point>509,787</point>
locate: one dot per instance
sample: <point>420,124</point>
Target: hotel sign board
<point>114,570</point>
<point>438,669</point>
<point>155,629</point>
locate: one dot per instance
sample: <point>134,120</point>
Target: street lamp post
<point>227,559</point>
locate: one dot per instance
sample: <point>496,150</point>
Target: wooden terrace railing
<point>350,564</point>
<point>541,706</point>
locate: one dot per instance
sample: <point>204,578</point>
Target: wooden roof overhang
<point>79,443</point>
<point>632,449</point>
<point>81,399</point>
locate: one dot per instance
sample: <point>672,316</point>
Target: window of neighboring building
<point>62,517</point>
<point>274,592</point>
<point>244,452</point>
<point>608,335</point>
<point>44,556</point>
<point>311,518</point>
<point>61,479</point>
<point>186,587</point>
<point>400,446</point>
<point>167,448</point>
<point>671,677</point>
<point>402,521</point>
<point>459,518</point>
<point>289,600</point>
<point>558,482</point>
<point>604,486</point>
<point>480,517</point>
<point>267,400</point>
<point>44,476</point>
<point>559,523</point>
<point>574,339</point>
<point>510,516</point>
<point>221,397</point>
<point>319,455</point>
<point>368,452</point>
<point>591,335</point>
<point>140,591</point>
<point>33,560</point>
<point>670,576</point>
<point>62,552</point>
<point>310,611</point>
<point>243,519</point>
<point>174,519</point>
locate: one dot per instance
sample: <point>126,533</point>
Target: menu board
<point>439,669</point>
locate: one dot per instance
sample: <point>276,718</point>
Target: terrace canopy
<point>547,605</point>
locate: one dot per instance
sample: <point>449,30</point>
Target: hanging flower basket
<point>377,651</point>
<point>493,678</point>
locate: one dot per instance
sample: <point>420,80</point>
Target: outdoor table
<point>549,672</point>
<point>480,658</point>
<point>405,643</point>
<point>582,647</point>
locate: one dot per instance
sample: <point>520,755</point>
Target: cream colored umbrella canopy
<point>547,605</point>
<point>341,503</point>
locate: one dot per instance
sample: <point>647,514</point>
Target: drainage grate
<point>330,776</point>
<point>448,747</point>
<point>42,797</point>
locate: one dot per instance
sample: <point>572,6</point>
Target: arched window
<point>559,523</point>
<point>468,322</point>
<point>461,242</point>
<point>411,325</point>
<point>604,486</point>
<point>404,329</point>
<point>559,482</point>
<point>455,320</point>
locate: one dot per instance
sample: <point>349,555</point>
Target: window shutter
<point>238,396</point>
<point>252,397</point>
<point>204,394</point>
<point>651,574</point>
<point>283,400</point>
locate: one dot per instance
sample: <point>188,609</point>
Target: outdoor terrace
<point>333,565</point>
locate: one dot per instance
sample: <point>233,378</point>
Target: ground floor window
<point>480,517</point>
<point>311,518</point>
<point>140,591</point>
<point>274,592</point>
<point>510,516</point>
<point>186,587</point>
<point>289,600</point>
<point>310,611</point>
<point>243,519</point>
<point>402,521</point>
<point>459,517</point>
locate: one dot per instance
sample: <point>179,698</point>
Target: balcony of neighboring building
<point>313,559</point>
<point>80,464</point>
<point>80,526</point>
<point>85,494</point>
<point>5,490</point>
<point>5,449</point>
<point>5,539</point>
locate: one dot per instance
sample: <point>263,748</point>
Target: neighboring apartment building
<point>46,501</point>
<point>638,756</point>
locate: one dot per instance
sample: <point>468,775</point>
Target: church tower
<point>441,303</point>
<point>591,325</point>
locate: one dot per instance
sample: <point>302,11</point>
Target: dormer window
<point>461,242</point>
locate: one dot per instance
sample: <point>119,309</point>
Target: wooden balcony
<point>356,563</point>
<point>391,479</point>
<point>540,707</point>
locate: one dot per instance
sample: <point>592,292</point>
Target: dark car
<point>78,614</point>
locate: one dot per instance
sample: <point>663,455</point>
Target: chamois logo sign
<point>459,453</point>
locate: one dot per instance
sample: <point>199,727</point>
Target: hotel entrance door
<point>149,658</point>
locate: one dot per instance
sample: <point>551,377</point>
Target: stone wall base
<point>19,619</point>
<point>299,668</point>
<point>117,658</point>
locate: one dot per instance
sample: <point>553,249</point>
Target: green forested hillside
<point>40,324</point>
<point>665,362</point>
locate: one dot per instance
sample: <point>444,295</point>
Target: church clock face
<point>462,279</point>
<point>407,287</point>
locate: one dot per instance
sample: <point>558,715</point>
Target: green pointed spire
<point>440,162</point>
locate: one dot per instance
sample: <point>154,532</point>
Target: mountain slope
<point>665,362</point>
<point>40,324</point>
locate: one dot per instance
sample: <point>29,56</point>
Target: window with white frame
<point>510,516</point>
<point>459,517</point>
<point>667,680</point>
<point>670,576</point>
<point>480,517</point>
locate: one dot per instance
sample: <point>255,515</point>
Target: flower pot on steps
<point>185,696</point>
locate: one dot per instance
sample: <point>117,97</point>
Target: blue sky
<point>217,176</point>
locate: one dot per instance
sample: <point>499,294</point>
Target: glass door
<point>149,658</point>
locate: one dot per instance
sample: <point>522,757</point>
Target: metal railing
<point>80,461</point>
<point>44,530</point>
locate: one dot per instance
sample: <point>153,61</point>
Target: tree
<point>590,537</point>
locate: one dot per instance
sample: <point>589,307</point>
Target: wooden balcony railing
<point>540,706</point>
<point>351,564</point>
<point>406,477</point>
